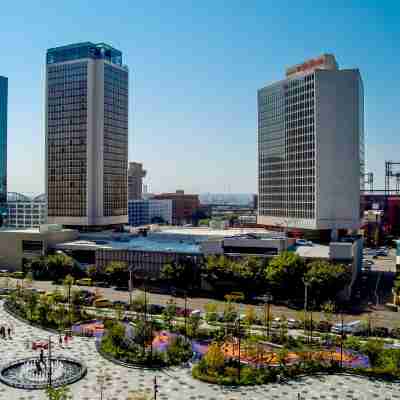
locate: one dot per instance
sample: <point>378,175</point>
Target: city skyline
<point>194,107</point>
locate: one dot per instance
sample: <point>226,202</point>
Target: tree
<point>59,266</point>
<point>215,357</point>
<point>28,279</point>
<point>327,279</point>
<point>181,273</point>
<point>61,393</point>
<point>282,355</point>
<point>285,274</point>
<point>373,349</point>
<point>194,322</point>
<point>169,313</point>
<point>211,311</point>
<point>118,272</point>
<point>119,312</point>
<point>250,316</point>
<point>68,283</point>
<point>230,313</point>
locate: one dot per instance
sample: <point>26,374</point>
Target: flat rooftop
<point>221,233</point>
<point>135,243</point>
<point>314,251</point>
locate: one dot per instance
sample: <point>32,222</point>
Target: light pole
<point>186,332</point>
<point>341,340</point>
<point>49,371</point>
<point>267,311</point>
<point>306,284</point>
<point>155,385</point>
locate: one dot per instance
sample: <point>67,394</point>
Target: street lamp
<point>267,298</point>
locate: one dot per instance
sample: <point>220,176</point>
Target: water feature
<point>32,373</point>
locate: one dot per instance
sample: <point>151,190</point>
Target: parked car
<point>84,282</point>
<point>324,326</point>
<point>124,304</point>
<point>156,309</point>
<point>122,288</point>
<point>380,331</point>
<point>102,284</point>
<point>349,327</point>
<point>102,303</point>
<point>293,323</point>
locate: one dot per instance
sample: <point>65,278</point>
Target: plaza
<point>173,383</point>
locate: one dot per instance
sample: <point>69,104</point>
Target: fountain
<point>34,373</point>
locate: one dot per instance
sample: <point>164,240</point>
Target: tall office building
<point>3,147</point>
<point>311,148</point>
<point>86,135</point>
<point>136,173</point>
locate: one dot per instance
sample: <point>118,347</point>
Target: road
<point>380,317</point>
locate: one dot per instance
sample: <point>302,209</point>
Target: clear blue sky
<point>195,69</point>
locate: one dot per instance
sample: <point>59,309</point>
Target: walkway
<point>175,384</point>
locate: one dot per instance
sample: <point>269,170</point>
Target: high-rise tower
<point>86,135</point>
<point>136,173</point>
<point>311,148</point>
<point>3,146</point>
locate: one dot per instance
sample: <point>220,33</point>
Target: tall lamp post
<point>267,312</point>
<point>49,371</point>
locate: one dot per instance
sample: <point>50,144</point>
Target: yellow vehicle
<point>102,302</point>
<point>84,282</point>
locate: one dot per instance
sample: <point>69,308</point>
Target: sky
<point>195,67</point>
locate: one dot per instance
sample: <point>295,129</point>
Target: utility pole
<point>49,371</point>
<point>186,331</point>
<point>341,340</point>
<point>155,388</point>
<point>305,306</point>
<point>130,287</point>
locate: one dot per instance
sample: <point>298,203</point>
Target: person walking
<point>9,332</point>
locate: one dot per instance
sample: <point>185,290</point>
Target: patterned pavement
<point>177,383</point>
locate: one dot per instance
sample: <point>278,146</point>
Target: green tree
<point>373,349</point>
<point>181,273</point>
<point>169,313</point>
<point>327,279</point>
<point>284,274</point>
<point>118,272</point>
<point>250,316</point>
<point>211,311</point>
<point>194,322</point>
<point>282,356</point>
<point>61,393</point>
<point>214,357</point>
<point>59,266</point>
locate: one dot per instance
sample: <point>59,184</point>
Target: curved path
<point>177,383</point>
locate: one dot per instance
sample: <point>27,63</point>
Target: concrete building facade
<point>311,148</point>
<point>144,212</point>
<point>17,245</point>
<point>26,212</point>
<point>184,206</point>
<point>86,135</point>
<point>136,173</point>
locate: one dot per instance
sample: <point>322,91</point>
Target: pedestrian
<point>41,356</point>
<point>60,340</point>
<point>9,332</point>
<point>66,339</point>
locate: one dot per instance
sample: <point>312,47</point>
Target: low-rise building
<point>184,206</point>
<point>18,245</point>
